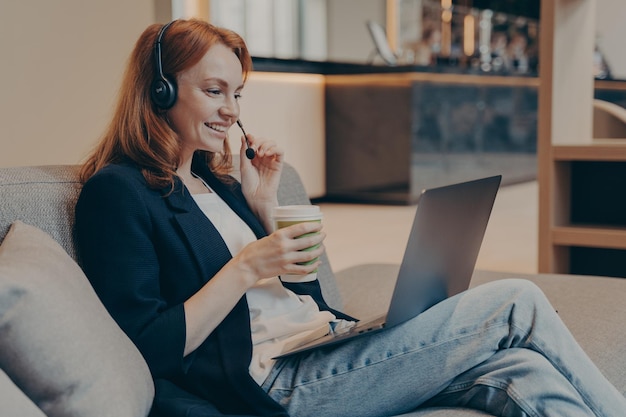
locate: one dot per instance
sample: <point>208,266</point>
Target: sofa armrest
<point>366,289</point>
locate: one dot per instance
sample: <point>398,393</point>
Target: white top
<point>279,318</point>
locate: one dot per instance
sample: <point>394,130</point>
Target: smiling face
<point>207,103</point>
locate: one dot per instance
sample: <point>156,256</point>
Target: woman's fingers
<point>262,147</point>
<point>302,245</point>
<point>294,249</point>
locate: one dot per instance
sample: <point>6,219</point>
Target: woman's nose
<point>230,108</point>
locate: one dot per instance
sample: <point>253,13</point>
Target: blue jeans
<point>499,348</point>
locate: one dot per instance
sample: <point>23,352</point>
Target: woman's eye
<point>214,91</point>
<point>237,96</point>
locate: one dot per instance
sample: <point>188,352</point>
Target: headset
<point>163,90</point>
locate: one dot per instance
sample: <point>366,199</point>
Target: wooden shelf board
<point>597,150</point>
<point>610,85</point>
<point>588,236</point>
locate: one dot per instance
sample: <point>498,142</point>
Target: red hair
<point>139,131</point>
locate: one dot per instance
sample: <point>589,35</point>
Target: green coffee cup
<point>284,216</point>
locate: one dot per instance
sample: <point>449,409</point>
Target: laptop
<point>439,258</point>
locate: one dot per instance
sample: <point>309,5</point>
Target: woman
<point>184,259</point>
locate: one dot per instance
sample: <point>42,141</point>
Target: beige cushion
<point>13,401</point>
<point>57,342</point>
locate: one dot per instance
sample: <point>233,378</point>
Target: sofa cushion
<point>42,196</point>
<point>14,402</point>
<point>57,342</point>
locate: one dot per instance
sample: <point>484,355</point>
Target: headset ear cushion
<point>163,93</point>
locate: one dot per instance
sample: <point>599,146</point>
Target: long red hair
<point>139,130</point>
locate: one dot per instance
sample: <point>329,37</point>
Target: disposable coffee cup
<point>284,216</point>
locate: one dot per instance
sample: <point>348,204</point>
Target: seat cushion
<point>57,342</point>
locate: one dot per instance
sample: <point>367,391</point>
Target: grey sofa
<point>62,355</point>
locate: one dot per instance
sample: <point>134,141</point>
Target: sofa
<point>61,354</point>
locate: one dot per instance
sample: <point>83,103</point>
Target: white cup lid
<point>296,211</point>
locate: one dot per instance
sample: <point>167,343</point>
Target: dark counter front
<point>388,138</point>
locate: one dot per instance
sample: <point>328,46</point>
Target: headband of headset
<point>163,89</point>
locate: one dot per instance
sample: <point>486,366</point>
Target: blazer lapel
<point>232,196</point>
<point>204,241</point>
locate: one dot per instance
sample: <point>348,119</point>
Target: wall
<point>288,109</point>
<point>348,38</point>
<point>62,62</point>
<point>610,18</point>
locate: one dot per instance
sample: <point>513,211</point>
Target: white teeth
<point>219,128</point>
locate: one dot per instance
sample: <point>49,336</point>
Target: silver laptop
<point>439,258</point>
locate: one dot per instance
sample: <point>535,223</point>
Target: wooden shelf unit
<point>586,181</point>
<point>582,181</point>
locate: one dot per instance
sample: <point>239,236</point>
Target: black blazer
<point>145,252</point>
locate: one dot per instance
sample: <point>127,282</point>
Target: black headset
<point>162,90</point>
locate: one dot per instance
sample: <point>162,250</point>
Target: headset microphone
<point>250,153</point>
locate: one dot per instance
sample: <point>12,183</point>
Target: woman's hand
<point>281,252</point>
<point>260,176</point>
<point>276,254</point>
